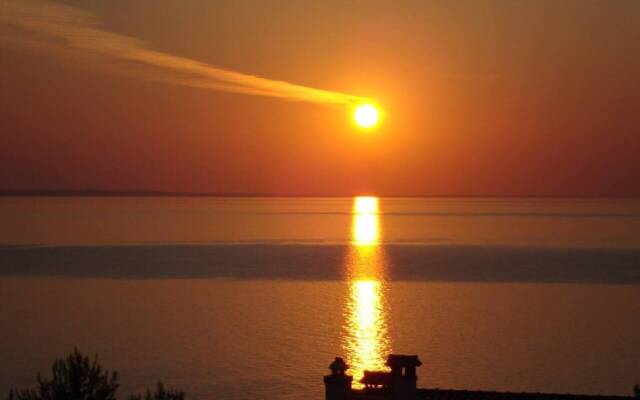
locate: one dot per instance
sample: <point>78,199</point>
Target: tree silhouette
<point>160,394</point>
<point>74,378</point>
<point>78,378</point>
<point>636,390</point>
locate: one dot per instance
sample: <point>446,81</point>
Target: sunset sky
<point>479,98</point>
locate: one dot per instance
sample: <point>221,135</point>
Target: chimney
<point>337,385</point>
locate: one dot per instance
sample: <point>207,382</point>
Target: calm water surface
<point>496,294</point>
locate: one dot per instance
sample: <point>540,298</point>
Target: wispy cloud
<point>71,32</point>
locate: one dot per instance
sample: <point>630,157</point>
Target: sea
<point>253,297</point>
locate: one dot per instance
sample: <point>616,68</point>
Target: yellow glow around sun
<point>366,115</point>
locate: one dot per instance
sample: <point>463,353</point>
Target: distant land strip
<point>162,193</point>
<point>325,263</point>
<point>127,193</point>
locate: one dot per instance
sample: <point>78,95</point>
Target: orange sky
<point>481,98</point>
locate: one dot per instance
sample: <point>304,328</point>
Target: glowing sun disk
<point>366,115</point>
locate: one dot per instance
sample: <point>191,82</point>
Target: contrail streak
<point>69,31</point>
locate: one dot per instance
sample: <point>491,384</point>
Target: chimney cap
<point>338,365</point>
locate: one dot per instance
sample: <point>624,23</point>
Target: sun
<point>366,115</point>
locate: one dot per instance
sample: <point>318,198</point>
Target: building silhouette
<point>400,383</point>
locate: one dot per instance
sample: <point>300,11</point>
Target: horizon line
<point>166,193</point>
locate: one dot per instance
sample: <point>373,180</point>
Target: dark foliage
<point>160,394</point>
<point>636,391</point>
<point>78,378</point>
<point>75,378</point>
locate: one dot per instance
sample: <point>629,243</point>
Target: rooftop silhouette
<point>400,383</point>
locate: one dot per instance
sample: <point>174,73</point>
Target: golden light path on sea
<point>366,342</point>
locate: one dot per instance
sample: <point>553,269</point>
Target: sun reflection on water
<point>366,340</point>
<point>365,229</point>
